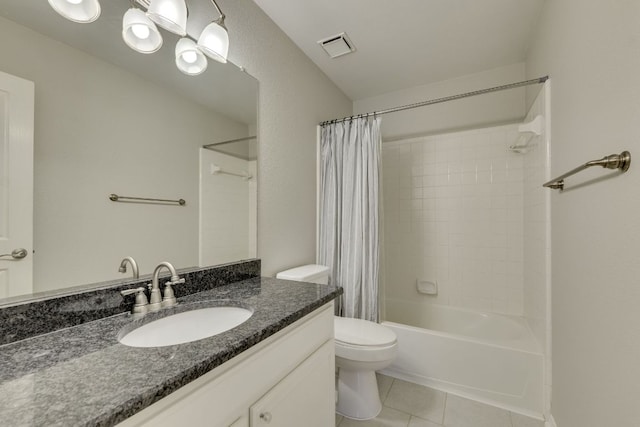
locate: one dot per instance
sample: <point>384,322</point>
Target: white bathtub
<point>491,358</point>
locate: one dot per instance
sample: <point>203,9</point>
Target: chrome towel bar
<point>614,161</point>
<point>127,199</point>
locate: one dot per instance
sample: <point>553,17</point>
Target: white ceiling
<point>407,43</point>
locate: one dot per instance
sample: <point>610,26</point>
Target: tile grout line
<point>444,407</point>
<point>422,419</point>
<point>393,380</point>
<point>386,395</point>
<point>403,412</point>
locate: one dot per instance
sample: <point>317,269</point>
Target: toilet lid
<point>362,332</point>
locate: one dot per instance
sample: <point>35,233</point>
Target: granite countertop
<point>82,375</point>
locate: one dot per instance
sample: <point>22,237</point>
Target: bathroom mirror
<point>109,120</point>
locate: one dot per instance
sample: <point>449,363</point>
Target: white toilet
<point>362,347</point>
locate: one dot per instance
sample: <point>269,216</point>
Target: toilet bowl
<point>362,347</point>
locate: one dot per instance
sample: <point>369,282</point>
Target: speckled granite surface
<point>82,375</point>
<point>20,320</point>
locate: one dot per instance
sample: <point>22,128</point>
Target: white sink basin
<point>186,327</point>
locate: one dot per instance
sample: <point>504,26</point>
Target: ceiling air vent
<point>337,45</point>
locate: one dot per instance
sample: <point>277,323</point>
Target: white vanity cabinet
<point>304,397</point>
<point>286,380</point>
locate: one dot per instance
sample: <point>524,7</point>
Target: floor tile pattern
<point>405,404</point>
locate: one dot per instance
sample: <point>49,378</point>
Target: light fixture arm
<point>222,15</point>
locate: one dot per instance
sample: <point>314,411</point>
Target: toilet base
<point>358,396</point>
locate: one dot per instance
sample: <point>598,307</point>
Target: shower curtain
<point>349,217</point>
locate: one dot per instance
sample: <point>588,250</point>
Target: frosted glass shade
<point>170,15</point>
<point>139,32</point>
<point>214,41</point>
<point>189,59</point>
<point>82,11</point>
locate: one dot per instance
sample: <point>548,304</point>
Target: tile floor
<point>405,404</point>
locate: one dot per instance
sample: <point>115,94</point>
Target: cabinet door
<point>305,397</point>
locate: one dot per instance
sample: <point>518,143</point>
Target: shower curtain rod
<point>441,100</point>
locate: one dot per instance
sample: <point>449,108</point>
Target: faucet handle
<point>169,299</point>
<point>140,306</point>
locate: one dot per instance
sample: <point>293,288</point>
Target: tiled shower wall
<point>453,213</point>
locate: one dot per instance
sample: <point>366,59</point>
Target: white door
<point>16,185</point>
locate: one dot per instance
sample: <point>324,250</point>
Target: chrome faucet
<point>156,301</point>
<point>134,266</point>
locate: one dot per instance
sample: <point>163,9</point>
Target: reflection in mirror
<point>111,120</point>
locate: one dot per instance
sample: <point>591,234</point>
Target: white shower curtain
<point>349,212</point>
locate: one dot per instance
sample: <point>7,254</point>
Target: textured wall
<point>294,96</point>
<point>591,50</point>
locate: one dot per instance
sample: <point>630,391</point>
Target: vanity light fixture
<point>214,40</point>
<point>141,34</point>
<point>81,11</point>
<point>189,59</point>
<point>170,15</point>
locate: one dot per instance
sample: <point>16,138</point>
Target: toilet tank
<point>313,273</point>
